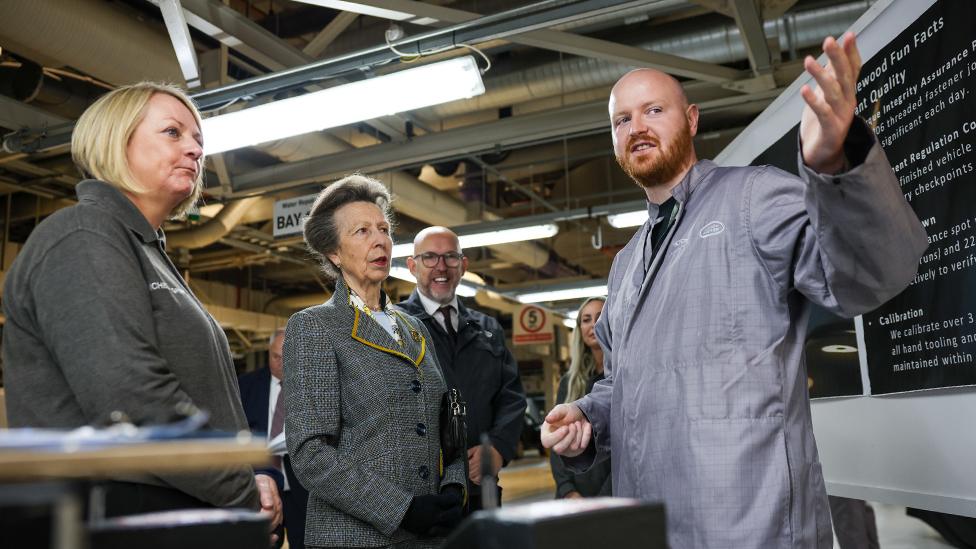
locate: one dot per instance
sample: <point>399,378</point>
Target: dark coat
<point>480,366</point>
<point>255,392</point>
<point>362,420</point>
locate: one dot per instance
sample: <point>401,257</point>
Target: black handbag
<point>454,428</point>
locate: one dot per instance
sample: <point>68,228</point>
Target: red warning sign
<point>532,326</point>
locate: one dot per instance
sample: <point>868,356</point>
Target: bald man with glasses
<point>471,350</point>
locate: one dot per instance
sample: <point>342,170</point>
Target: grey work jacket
<point>99,319</point>
<point>705,403</point>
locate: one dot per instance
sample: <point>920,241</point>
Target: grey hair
<point>279,332</point>
<point>321,230</point>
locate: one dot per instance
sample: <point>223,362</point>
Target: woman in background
<point>585,369</point>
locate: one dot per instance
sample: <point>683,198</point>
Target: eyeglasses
<point>430,259</point>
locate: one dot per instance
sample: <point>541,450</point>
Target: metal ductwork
<point>371,31</point>
<point>720,43</point>
<point>72,32</point>
<point>215,229</point>
<point>134,51</point>
<point>412,197</point>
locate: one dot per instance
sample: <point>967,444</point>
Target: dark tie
<point>278,422</point>
<point>445,312</point>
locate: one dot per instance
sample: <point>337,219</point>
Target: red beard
<point>662,168</point>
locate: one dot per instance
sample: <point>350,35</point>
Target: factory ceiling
<point>534,145</point>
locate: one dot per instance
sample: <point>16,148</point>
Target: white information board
<point>290,214</point>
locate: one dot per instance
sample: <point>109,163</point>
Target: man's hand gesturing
<point>830,107</point>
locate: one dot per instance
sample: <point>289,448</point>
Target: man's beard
<point>668,164</point>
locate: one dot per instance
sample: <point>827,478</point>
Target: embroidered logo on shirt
<point>154,286</point>
<point>679,245</point>
<point>712,229</point>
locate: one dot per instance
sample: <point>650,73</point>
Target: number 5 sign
<point>533,326</point>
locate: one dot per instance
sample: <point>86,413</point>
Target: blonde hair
<point>582,363</point>
<point>101,137</point>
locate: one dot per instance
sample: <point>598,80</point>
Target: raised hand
<point>566,430</point>
<point>830,107</point>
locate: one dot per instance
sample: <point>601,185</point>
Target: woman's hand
<point>270,501</point>
<point>430,510</point>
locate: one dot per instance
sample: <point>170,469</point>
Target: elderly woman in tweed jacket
<point>363,391</point>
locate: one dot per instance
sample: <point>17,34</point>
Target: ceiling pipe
<point>720,43</point>
<point>139,57</point>
<point>212,231</point>
<point>50,32</point>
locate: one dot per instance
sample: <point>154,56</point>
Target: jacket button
<point>421,429</point>
<point>424,472</point>
<point>415,385</point>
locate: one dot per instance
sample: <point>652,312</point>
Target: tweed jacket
<point>362,422</point>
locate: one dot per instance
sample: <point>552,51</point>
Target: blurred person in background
<point>585,369</point>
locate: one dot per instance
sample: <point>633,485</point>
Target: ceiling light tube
<point>362,9</point>
<point>464,289</point>
<point>627,219</point>
<point>491,238</point>
<point>581,292</point>
<point>506,236</point>
<point>401,91</point>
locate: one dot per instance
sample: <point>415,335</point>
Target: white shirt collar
<point>431,306</point>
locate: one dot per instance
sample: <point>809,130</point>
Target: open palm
<point>830,107</point>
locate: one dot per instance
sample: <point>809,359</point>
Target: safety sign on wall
<point>533,326</point>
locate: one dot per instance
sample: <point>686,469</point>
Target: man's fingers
<point>551,436</point>
<point>567,439</point>
<point>853,53</point>
<point>840,65</point>
<point>826,82</point>
<point>587,435</point>
<point>817,104</point>
<point>556,414</point>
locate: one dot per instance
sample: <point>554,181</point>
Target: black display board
<point>920,93</point>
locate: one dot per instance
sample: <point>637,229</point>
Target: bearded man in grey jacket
<point>704,405</point>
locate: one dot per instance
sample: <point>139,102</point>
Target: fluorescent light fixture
<point>626,219</point>
<point>402,273</point>
<point>403,250</point>
<point>362,9</point>
<point>401,91</point>
<point>506,236</point>
<point>491,238</point>
<point>580,292</point>
<point>569,323</point>
<point>464,289</point>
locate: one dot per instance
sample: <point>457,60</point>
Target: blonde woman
<point>585,369</point>
<point>98,318</point>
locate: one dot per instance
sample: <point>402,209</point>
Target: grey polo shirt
<point>99,319</point>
